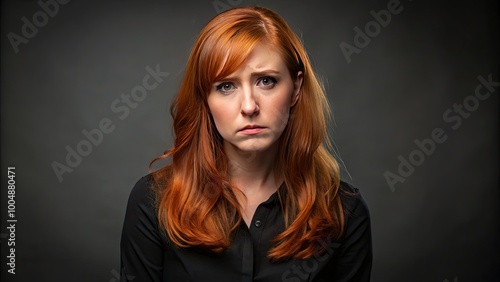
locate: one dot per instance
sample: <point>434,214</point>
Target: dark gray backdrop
<point>440,224</point>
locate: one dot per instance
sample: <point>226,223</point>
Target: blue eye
<point>225,87</point>
<point>267,82</point>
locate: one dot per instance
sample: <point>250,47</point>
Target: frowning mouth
<point>251,129</point>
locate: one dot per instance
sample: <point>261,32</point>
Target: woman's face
<point>251,106</point>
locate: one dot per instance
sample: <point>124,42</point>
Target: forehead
<point>263,57</point>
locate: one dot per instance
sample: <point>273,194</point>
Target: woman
<point>251,192</point>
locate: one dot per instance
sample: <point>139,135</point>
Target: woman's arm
<point>141,244</point>
<point>354,262</point>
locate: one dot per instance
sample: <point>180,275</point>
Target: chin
<point>254,147</point>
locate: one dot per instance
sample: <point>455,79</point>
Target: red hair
<point>197,205</point>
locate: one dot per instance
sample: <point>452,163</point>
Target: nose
<point>249,106</point>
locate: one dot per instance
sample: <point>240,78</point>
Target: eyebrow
<point>253,74</point>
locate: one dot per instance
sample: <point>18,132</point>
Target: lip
<point>251,129</point>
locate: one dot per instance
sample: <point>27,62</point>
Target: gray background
<point>441,224</point>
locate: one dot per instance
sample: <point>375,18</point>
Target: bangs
<point>225,50</point>
<point>229,58</point>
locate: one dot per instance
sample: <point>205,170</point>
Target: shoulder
<point>148,188</point>
<point>354,205</point>
<point>142,200</point>
<point>143,191</point>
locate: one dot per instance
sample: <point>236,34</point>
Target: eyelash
<point>221,85</point>
<point>273,80</point>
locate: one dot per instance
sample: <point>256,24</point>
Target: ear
<point>297,87</point>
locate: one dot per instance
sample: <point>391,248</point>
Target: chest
<point>246,259</point>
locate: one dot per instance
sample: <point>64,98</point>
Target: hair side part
<point>197,205</point>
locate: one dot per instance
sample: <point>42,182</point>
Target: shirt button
<point>258,223</point>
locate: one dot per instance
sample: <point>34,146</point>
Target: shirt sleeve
<point>141,244</point>
<point>354,261</point>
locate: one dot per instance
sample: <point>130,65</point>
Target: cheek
<point>281,119</point>
<point>220,115</point>
<point>280,109</point>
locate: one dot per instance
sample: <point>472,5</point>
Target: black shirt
<point>148,255</point>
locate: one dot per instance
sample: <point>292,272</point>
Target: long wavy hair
<point>197,205</point>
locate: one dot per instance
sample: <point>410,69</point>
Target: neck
<point>252,172</point>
